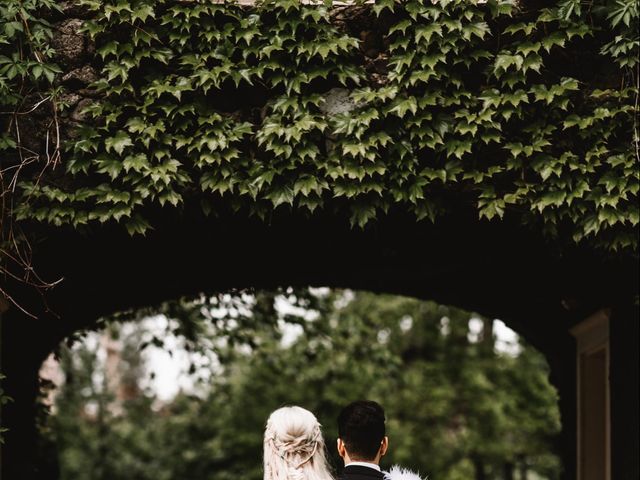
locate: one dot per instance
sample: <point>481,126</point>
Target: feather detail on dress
<point>398,473</point>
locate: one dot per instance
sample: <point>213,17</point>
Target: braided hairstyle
<point>293,446</point>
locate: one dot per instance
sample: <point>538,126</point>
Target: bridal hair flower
<point>297,446</point>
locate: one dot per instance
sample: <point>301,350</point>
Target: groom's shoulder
<point>360,473</point>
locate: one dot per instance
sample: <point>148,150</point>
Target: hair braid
<point>294,447</point>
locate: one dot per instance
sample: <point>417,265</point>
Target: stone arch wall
<point>74,55</point>
<point>499,271</point>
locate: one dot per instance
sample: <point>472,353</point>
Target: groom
<point>362,443</point>
<point>362,440</point>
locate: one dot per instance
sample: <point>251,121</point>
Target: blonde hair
<point>293,446</point>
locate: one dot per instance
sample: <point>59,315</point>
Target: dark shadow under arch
<point>499,269</point>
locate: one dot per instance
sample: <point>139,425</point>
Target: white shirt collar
<point>363,464</point>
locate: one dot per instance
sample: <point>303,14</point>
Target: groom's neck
<point>348,459</point>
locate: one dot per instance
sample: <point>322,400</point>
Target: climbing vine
<point>28,104</point>
<point>444,105</point>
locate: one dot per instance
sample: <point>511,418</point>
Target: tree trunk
<point>523,470</point>
<point>487,340</point>
<point>478,465</point>
<point>508,471</point>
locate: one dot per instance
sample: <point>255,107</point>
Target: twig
<point>10,298</point>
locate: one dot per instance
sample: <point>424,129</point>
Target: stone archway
<point>498,270</point>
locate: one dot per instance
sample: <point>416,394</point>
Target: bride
<point>294,449</point>
<point>293,446</point>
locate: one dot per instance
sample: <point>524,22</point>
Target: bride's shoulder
<point>398,473</point>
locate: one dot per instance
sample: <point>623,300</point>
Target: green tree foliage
<point>456,408</point>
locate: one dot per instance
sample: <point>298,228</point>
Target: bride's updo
<point>293,446</point>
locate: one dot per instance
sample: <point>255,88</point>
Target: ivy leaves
<point>229,103</point>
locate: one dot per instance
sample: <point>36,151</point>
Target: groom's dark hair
<point>361,428</point>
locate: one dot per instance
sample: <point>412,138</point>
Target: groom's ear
<point>341,449</point>
<point>384,446</point>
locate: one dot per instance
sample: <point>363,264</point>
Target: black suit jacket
<point>358,472</point>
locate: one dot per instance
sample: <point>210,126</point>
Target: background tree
<point>456,406</point>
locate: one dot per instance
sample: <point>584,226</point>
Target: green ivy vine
<point>488,105</point>
<point>28,87</point>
